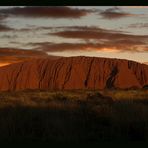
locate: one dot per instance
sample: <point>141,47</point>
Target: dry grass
<point>126,94</point>
<point>74,116</point>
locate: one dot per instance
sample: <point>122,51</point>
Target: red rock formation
<point>74,73</point>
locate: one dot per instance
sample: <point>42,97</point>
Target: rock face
<point>74,73</point>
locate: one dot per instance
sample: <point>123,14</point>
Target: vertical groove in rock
<point>9,81</point>
<point>67,76</point>
<point>88,73</point>
<point>44,69</point>
<point>55,74</point>
<point>111,79</point>
<point>17,75</point>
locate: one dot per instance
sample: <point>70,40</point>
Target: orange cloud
<point>107,46</point>
<point>11,55</point>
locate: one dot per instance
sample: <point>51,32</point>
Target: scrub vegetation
<point>74,116</point>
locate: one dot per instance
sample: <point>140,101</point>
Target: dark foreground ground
<point>74,116</point>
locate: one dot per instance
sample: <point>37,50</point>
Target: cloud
<point>59,47</point>
<point>52,47</point>
<point>46,11</point>
<point>5,36</point>
<point>118,46</point>
<point>34,28</point>
<point>87,33</point>
<point>137,7</point>
<point>13,55</point>
<point>138,25</point>
<point>94,38</point>
<point>2,17</point>
<point>115,13</point>
<point>5,28</point>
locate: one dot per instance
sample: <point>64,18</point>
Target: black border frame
<point>73,2</point>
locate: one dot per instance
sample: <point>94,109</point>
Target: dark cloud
<point>98,33</point>
<point>108,46</point>
<point>34,29</point>
<point>52,47</point>
<point>2,17</point>
<point>46,11</point>
<point>12,55</point>
<point>5,28</point>
<point>93,38</point>
<point>86,28</point>
<point>20,52</point>
<point>114,13</point>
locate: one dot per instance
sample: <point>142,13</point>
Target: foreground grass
<point>74,116</point>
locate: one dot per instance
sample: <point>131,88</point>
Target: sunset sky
<point>100,31</point>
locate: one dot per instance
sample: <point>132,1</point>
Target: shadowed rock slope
<point>74,73</point>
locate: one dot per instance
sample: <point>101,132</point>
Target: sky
<point>96,31</point>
